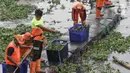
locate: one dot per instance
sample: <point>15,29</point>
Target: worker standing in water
<point>78,9</point>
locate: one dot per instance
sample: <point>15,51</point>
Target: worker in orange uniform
<point>25,48</point>
<point>37,34</point>
<point>99,5</point>
<point>12,54</point>
<point>78,10</point>
<point>27,44</point>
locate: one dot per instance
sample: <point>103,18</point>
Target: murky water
<point>124,28</point>
<point>58,18</point>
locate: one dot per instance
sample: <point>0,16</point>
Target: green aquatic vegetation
<point>56,1</point>
<point>66,68</point>
<point>87,67</point>
<point>7,35</point>
<point>22,28</point>
<point>56,46</point>
<point>79,28</point>
<point>9,9</point>
<point>113,42</point>
<point>62,7</point>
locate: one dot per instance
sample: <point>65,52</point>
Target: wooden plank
<point>122,63</point>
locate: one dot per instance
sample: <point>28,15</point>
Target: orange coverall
<point>99,5</point>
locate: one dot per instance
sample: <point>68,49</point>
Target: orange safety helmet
<point>19,39</point>
<point>78,5</point>
<point>27,36</point>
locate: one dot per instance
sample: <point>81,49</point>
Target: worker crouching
<point>12,54</point>
<point>78,10</point>
<point>25,49</point>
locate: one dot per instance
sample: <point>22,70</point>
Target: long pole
<point>23,59</point>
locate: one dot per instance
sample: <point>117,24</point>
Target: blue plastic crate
<point>4,67</point>
<point>78,36</point>
<point>57,56</point>
<point>23,67</point>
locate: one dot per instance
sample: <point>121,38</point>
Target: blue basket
<point>57,56</point>
<point>78,36</point>
<point>4,67</point>
<point>23,67</point>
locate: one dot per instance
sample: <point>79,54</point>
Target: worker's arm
<point>11,59</point>
<point>9,54</point>
<point>44,41</point>
<point>84,16</point>
<point>46,29</point>
<point>25,46</point>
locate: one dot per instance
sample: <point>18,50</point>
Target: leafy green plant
<point>9,9</point>
<point>50,7</point>
<point>7,35</point>
<point>86,67</point>
<point>56,46</point>
<point>56,1</point>
<point>66,68</point>
<point>79,28</point>
<point>113,42</point>
<point>62,7</point>
<point>22,28</point>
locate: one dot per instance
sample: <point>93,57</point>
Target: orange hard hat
<point>79,5</point>
<point>27,36</point>
<point>19,39</point>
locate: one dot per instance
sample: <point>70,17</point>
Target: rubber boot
<point>38,67</point>
<point>32,66</point>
